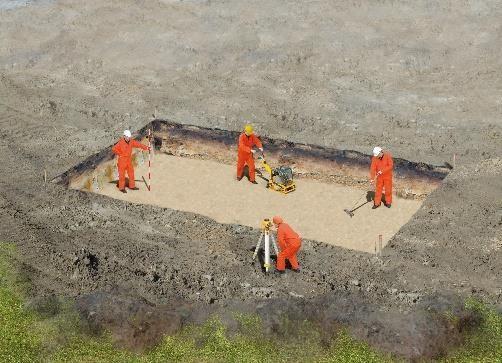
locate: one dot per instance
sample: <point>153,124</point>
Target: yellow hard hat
<point>248,129</point>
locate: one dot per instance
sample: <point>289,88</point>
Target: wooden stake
<point>454,160</point>
<point>45,176</point>
<point>380,245</point>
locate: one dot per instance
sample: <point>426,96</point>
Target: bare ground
<point>419,78</point>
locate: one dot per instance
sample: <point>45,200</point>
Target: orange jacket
<point>246,143</point>
<point>124,149</point>
<point>385,165</point>
<point>286,237</point>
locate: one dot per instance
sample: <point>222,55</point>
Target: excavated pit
<point>193,170</point>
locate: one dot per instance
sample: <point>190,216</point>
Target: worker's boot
<point>388,205</point>
<point>254,181</point>
<point>297,270</point>
<point>375,206</point>
<point>279,272</point>
<point>123,190</point>
<point>239,178</point>
<point>135,188</point>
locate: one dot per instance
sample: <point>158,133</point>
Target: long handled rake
<point>370,195</point>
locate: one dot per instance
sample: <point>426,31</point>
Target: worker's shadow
<point>116,182</point>
<point>370,197</point>
<point>245,173</point>
<point>259,173</point>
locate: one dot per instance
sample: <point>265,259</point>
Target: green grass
<point>485,343</point>
<point>212,343</point>
<point>60,336</point>
<point>18,342</point>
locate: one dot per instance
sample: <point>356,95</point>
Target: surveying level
<point>265,226</point>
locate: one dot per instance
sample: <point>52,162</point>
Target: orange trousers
<point>123,168</point>
<point>242,160</point>
<point>289,253</point>
<point>380,184</point>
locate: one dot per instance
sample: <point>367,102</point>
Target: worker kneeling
<point>247,140</point>
<point>123,149</point>
<point>289,245</point>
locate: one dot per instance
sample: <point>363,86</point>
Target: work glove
<point>253,151</point>
<point>261,149</point>
<point>379,172</point>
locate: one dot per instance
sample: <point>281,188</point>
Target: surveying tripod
<point>267,236</point>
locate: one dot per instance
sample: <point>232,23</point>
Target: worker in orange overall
<point>289,244</point>
<point>123,149</point>
<point>247,140</point>
<point>381,169</point>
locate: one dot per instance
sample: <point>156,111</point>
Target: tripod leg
<point>267,252</point>
<point>274,244</point>
<point>257,246</point>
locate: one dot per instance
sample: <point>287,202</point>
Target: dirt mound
<point>426,333</point>
<point>133,322</point>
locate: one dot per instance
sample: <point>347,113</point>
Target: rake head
<point>349,212</point>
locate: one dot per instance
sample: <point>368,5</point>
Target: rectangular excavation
<point>193,170</point>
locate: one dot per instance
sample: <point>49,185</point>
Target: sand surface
<point>315,210</point>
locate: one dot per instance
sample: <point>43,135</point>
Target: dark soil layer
<point>411,180</point>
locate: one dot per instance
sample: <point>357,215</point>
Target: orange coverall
<point>124,151</point>
<point>289,244</point>
<point>384,180</point>
<point>245,156</point>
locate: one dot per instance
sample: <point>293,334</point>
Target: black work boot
<point>388,205</point>
<point>279,272</point>
<point>375,206</point>
<point>254,181</point>
<point>135,188</point>
<point>123,190</point>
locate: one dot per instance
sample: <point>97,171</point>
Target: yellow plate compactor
<point>280,179</point>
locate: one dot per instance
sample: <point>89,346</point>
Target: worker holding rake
<point>123,149</point>
<point>381,169</point>
<point>247,140</point>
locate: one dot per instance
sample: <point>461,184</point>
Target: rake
<point>370,195</point>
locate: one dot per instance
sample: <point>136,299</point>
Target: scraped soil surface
<point>419,78</point>
<point>315,210</point>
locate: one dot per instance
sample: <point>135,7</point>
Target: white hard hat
<point>127,133</point>
<point>377,150</point>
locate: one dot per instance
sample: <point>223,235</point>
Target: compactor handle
<point>261,155</point>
